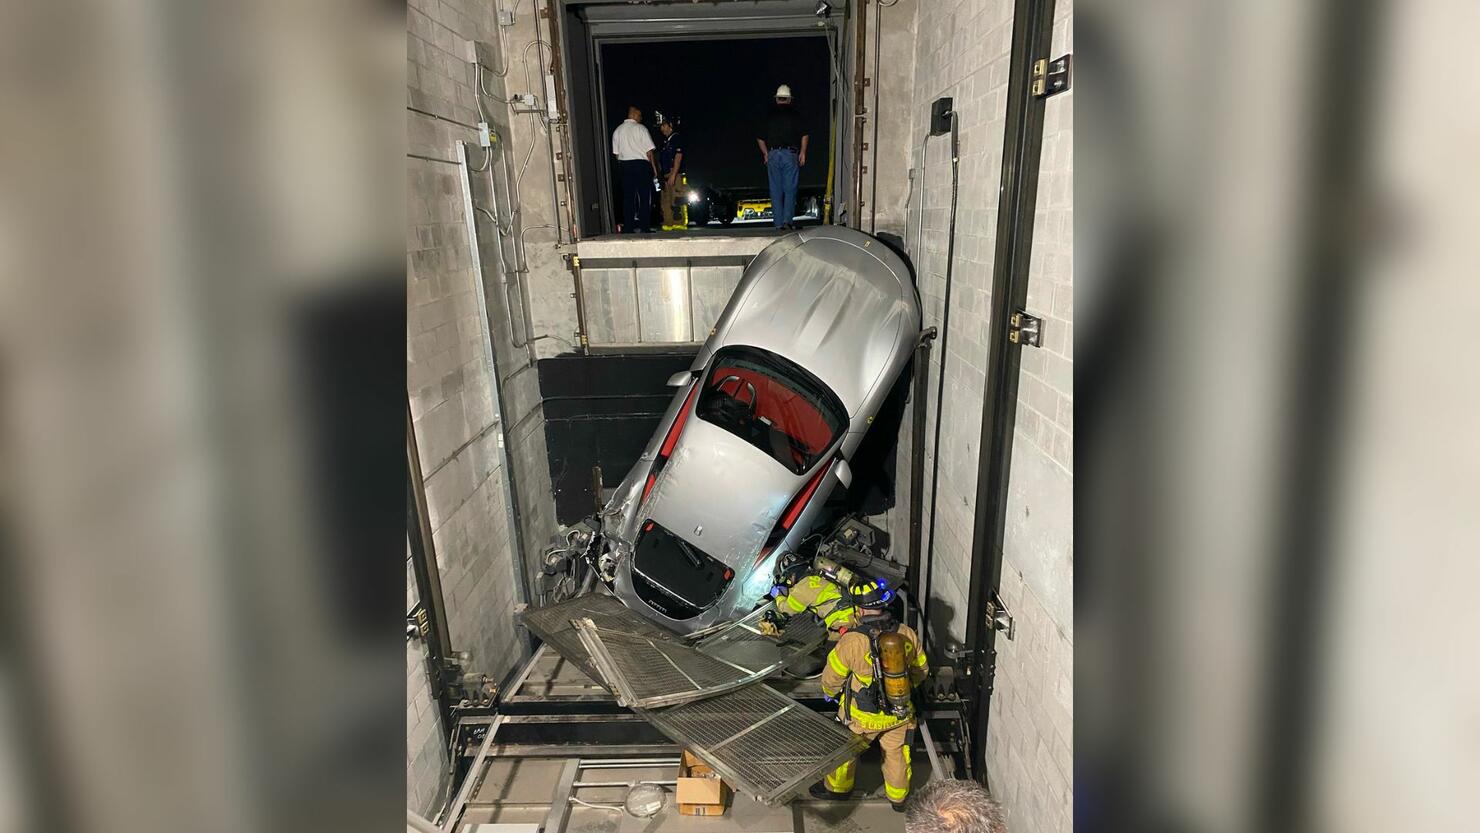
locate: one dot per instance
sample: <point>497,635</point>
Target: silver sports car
<point>821,325</point>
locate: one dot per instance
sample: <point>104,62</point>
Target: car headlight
<point>693,197</point>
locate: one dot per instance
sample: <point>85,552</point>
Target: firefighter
<point>821,588</point>
<point>872,671</point>
<point>671,166</point>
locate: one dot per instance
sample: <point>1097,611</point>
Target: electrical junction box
<point>940,116</point>
<point>505,17</point>
<point>525,101</point>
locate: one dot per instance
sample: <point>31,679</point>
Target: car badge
<point>699,530</point>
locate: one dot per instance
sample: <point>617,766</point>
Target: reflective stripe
<point>836,664</point>
<point>837,617</point>
<point>840,780</point>
<point>791,601</point>
<point>920,659</point>
<point>872,721</point>
<point>897,795</point>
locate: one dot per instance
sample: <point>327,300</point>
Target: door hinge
<point>1025,329</point>
<point>999,617</point>
<point>418,623</point>
<point>1052,77</point>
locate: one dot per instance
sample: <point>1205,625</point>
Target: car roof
<point>835,301</point>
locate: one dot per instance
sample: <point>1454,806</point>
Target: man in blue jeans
<point>783,147</point>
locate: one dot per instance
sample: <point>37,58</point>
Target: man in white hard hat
<point>783,145</point>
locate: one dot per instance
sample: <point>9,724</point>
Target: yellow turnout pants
<point>895,744</point>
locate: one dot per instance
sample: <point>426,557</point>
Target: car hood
<point>833,306</point>
<point>720,494</point>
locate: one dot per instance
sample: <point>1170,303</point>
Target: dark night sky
<point>721,89</point>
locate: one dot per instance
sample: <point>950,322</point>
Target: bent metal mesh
<point>761,741</point>
<point>553,625</point>
<point>646,672</point>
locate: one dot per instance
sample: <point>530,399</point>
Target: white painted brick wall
<point>963,50</point>
<point>1030,743</point>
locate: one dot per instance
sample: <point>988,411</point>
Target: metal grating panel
<point>552,624</point>
<point>645,672</point>
<point>741,642</point>
<point>760,740</point>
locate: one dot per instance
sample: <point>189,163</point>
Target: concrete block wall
<point>450,382</point>
<point>426,749</point>
<point>1030,740</point>
<point>545,221</point>
<point>963,50</point>
<point>895,76</point>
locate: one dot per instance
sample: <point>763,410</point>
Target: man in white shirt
<point>637,163</point>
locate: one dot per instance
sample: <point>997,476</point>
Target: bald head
<point>947,805</point>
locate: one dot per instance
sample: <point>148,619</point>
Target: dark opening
<point>720,90</point>
<point>675,577</point>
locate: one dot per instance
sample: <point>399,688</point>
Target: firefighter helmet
<point>872,594</point>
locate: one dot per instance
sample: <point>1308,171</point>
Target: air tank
<point>894,666</point>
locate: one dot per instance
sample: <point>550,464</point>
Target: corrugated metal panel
<point>711,288</point>
<point>663,304</point>
<point>760,740</point>
<point>611,305</point>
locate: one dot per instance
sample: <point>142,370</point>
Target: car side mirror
<point>843,473</point>
<point>680,379</point>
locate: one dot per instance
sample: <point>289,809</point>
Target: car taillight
<point>677,428</point>
<point>793,511</point>
<point>799,502</point>
<point>669,442</point>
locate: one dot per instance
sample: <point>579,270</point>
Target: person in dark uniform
<point>783,147</point>
<point>670,167</point>
<point>632,144</point>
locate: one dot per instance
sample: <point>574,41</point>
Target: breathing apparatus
<point>891,666</point>
<point>835,571</point>
<point>889,651</point>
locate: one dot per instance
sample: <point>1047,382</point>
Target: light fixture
<point>693,197</point>
<point>823,9</point>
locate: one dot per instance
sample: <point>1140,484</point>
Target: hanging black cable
<point>940,386</point>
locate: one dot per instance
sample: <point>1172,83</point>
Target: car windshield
<point>772,404</point>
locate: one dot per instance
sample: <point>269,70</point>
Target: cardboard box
<point>700,790</point>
